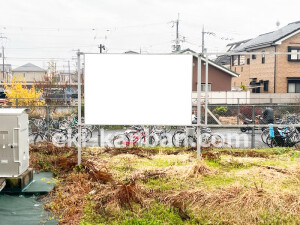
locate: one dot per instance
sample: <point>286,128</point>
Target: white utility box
<point>14,142</point>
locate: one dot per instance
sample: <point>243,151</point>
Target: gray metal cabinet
<point>14,142</point>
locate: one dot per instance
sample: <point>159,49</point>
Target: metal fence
<point>239,125</point>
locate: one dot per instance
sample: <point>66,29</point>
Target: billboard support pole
<point>206,87</point>
<point>79,107</point>
<point>199,139</point>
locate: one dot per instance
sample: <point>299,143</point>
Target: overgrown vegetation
<point>18,93</point>
<point>171,186</point>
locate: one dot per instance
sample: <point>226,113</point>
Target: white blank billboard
<point>133,89</point>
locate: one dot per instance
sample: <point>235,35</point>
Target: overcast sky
<point>38,31</point>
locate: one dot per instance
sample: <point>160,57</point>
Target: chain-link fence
<point>228,125</point>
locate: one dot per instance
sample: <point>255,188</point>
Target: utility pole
<point>203,34</point>
<point>69,73</point>
<point>176,47</point>
<point>177,34</point>
<point>79,107</point>
<point>3,63</point>
<point>2,37</point>
<point>202,39</point>
<point>101,46</point>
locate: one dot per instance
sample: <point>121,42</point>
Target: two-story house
<point>270,73</point>
<point>219,77</point>
<point>30,72</point>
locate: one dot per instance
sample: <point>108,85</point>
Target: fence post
<point>253,129</point>
<point>99,136</point>
<point>17,102</point>
<point>238,111</point>
<point>149,139</point>
<point>48,119</point>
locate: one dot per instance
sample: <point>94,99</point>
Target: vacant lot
<point>170,186</point>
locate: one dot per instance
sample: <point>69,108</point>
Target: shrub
<point>221,111</point>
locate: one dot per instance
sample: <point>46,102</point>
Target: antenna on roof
<point>277,24</point>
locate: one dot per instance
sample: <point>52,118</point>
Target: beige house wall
<point>282,68</point>
<point>30,77</point>
<point>286,68</point>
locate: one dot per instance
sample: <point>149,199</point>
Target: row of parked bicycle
<point>276,136</point>
<point>183,136</point>
<point>60,130</point>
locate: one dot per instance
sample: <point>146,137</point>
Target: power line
<point>81,28</point>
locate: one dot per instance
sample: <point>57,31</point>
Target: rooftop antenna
<point>277,24</point>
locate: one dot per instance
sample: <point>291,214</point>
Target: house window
<point>242,60</point>
<point>266,85</point>
<point>256,90</point>
<point>248,61</point>
<point>24,75</point>
<point>294,86</point>
<point>203,87</point>
<point>295,54</point>
<point>235,60</point>
<point>263,58</point>
<point>253,56</point>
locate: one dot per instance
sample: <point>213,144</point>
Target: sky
<point>40,31</point>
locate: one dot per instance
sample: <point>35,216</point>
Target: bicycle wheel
<point>154,140</point>
<point>38,137</point>
<point>178,139</point>
<point>205,139</point>
<point>269,141</point>
<point>87,133</point>
<point>265,135</point>
<point>59,138</point>
<point>120,140</point>
<point>164,141</point>
<point>216,140</point>
<point>191,142</point>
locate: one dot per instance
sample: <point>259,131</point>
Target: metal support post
<point>79,107</point>
<point>199,139</point>
<point>206,88</point>
<point>99,136</point>
<point>149,132</point>
<point>48,120</point>
<point>238,111</point>
<point>253,129</point>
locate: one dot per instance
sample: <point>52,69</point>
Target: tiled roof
<point>270,38</point>
<point>29,67</point>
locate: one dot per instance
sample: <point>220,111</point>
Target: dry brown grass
<point>261,191</point>
<point>69,198</point>
<point>199,168</point>
<point>238,205</point>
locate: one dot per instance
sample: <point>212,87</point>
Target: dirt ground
<point>171,186</point>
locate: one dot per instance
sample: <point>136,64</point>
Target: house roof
<point>220,67</point>
<point>223,60</point>
<point>185,51</point>
<point>271,38</point>
<point>131,52</point>
<point>210,62</point>
<point>29,67</point>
